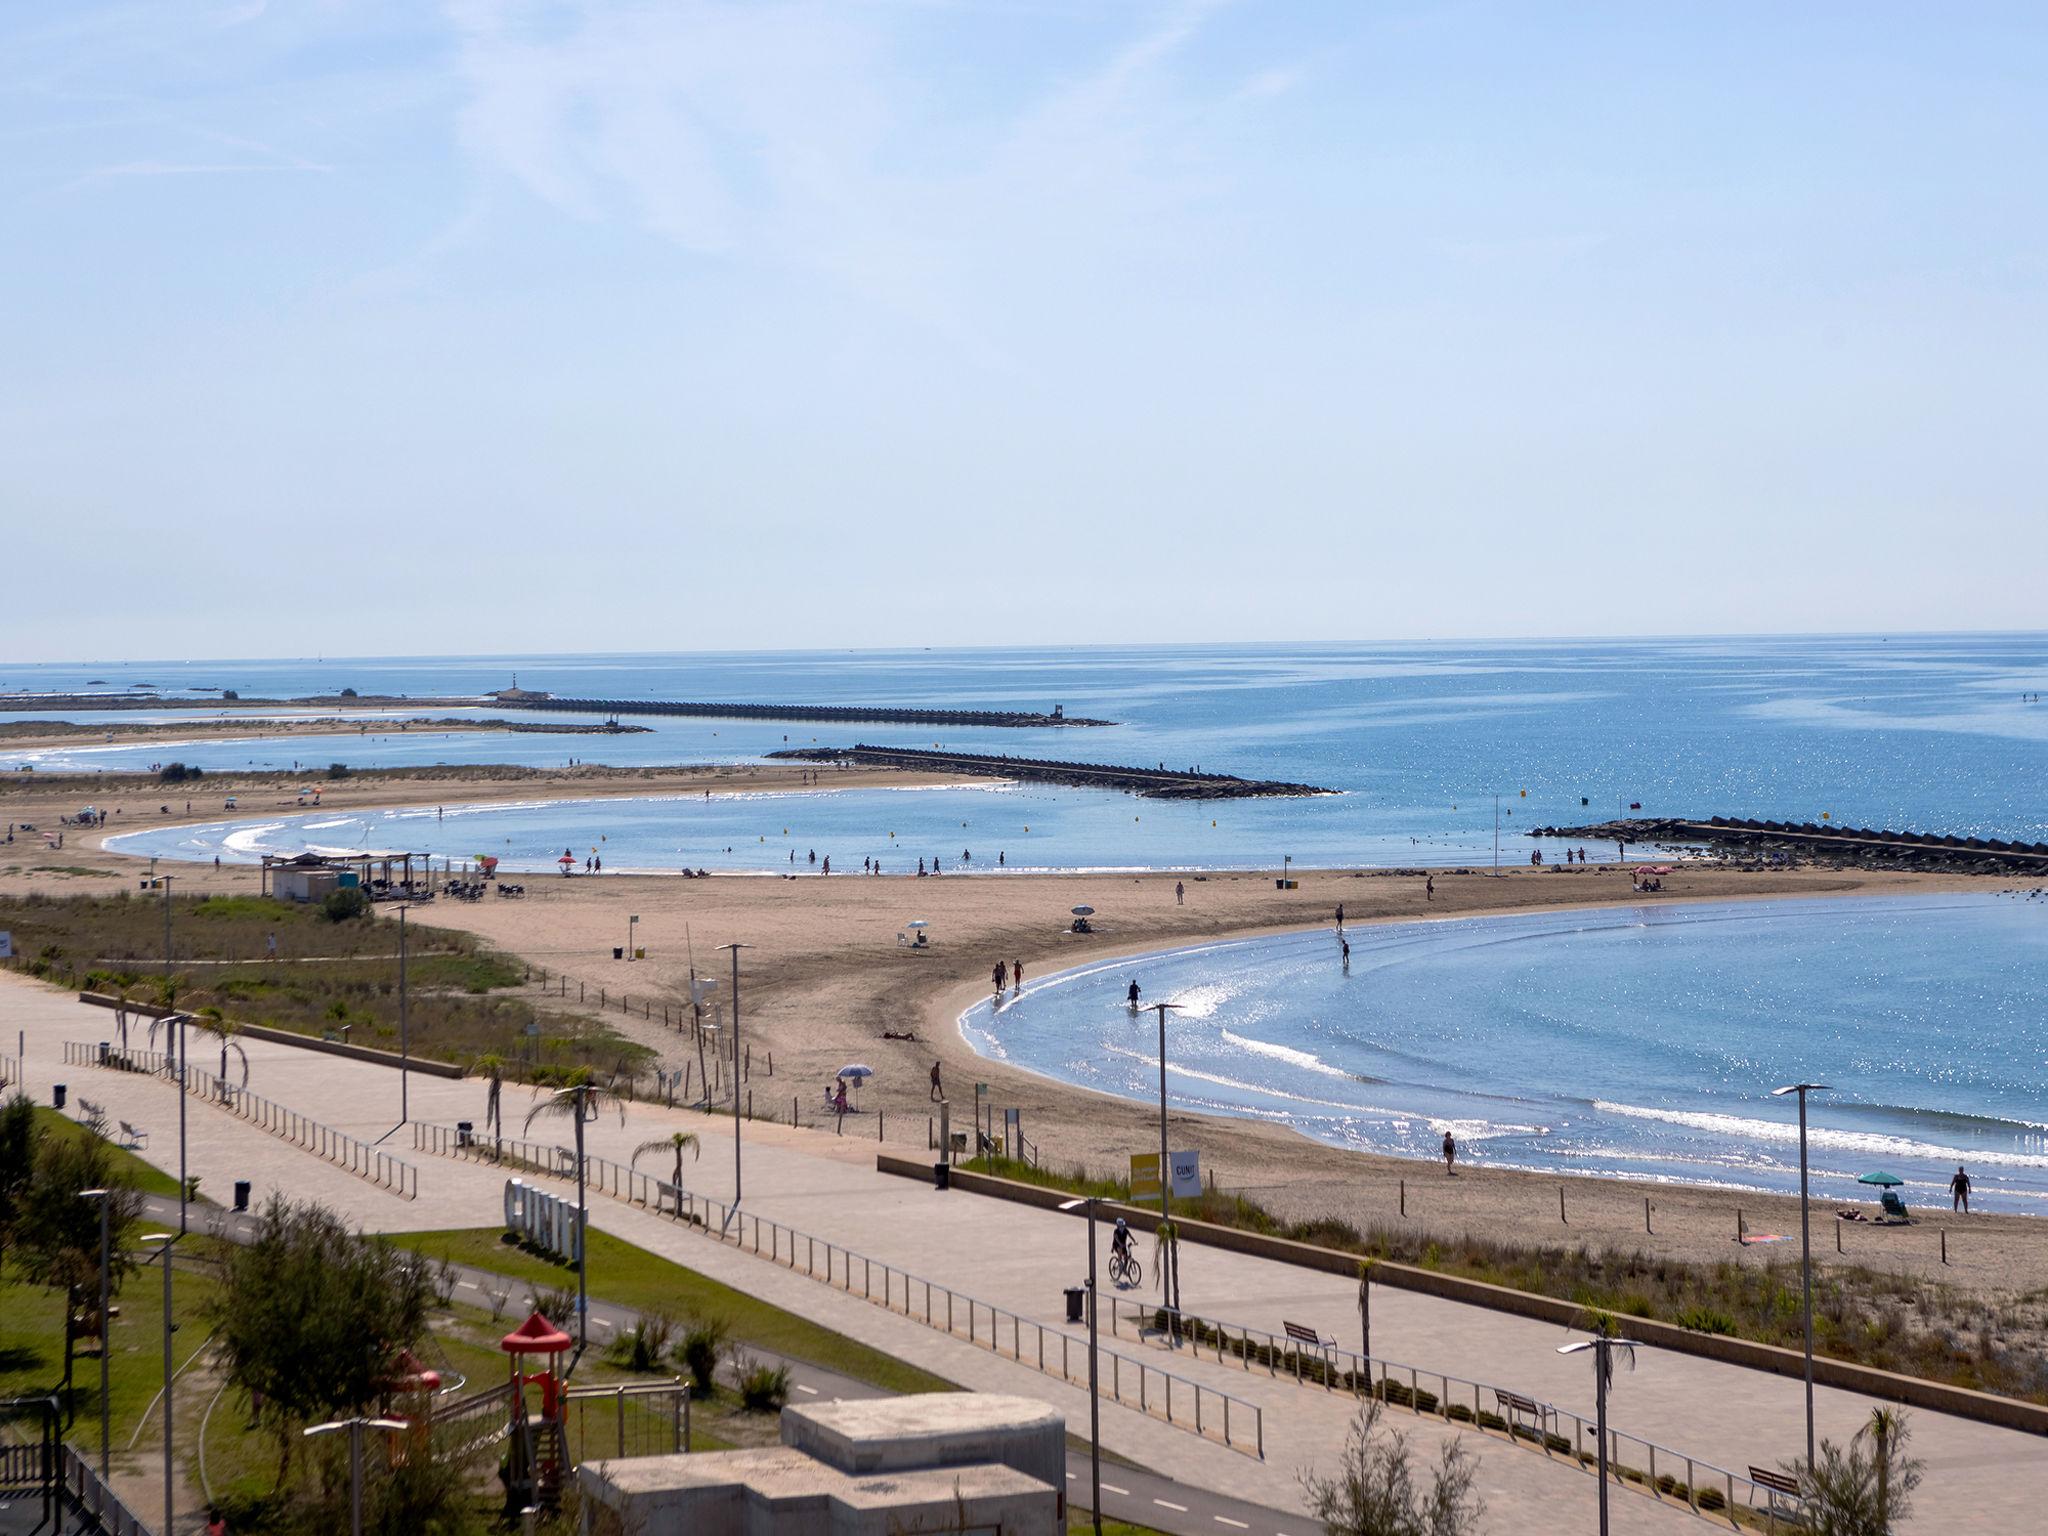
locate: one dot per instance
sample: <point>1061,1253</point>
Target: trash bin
<point>465,1132</point>
<point>618,951</point>
<point>942,1172</point>
<point>241,1194</point>
<point>1077,1303</point>
<point>106,1050</point>
<point>57,1095</point>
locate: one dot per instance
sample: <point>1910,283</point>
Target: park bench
<point>133,1136</point>
<point>1305,1337</point>
<point>1517,1409</point>
<point>1777,1487</point>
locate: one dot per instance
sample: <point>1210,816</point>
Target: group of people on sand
<point>1002,977</point>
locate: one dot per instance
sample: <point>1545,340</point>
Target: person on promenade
<point>1959,1191</point>
<point>938,1092</point>
<point>1133,995</point>
<point>1450,1154</point>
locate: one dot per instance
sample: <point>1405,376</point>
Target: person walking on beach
<point>1450,1154</point>
<point>1959,1191</point>
<point>1001,977</point>
<point>839,1101</point>
<point>1133,995</point>
<point>1340,917</point>
<point>1180,894</point>
<point>1017,974</point>
<point>1429,887</point>
<point>938,1092</point>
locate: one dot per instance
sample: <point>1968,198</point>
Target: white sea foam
<point>1286,1053</point>
<point>1871,1144</point>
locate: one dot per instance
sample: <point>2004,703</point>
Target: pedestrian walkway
<point>1022,1259</point>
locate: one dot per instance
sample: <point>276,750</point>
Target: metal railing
<point>1457,1399</point>
<point>1124,1379</point>
<point>99,1501</point>
<point>649,1418</point>
<point>349,1153</point>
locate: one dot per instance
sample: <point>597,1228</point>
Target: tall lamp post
<point>1805,1250</point>
<point>735,947</point>
<point>164,1242</point>
<point>174,1043</point>
<point>355,1428</point>
<point>1172,1249</point>
<point>404,1023</point>
<point>104,1196</point>
<point>1603,1371</point>
<point>1094,1393</point>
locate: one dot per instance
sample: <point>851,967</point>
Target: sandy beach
<point>826,979</point>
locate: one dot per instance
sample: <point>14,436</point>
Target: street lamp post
<point>1094,1393</point>
<point>164,1242</point>
<point>404,1023</point>
<point>735,947</point>
<point>355,1428</point>
<point>104,1196</point>
<point>1171,1249</point>
<point>1603,1371</point>
<point>1805,1250</point>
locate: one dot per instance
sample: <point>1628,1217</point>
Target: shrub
<point>556,1303</point>
<point>229,693</point>
<point>763,1388</point>
<point>1705,1320</point>
<point>703,1342</point>
<point>178,773</point>
<point>348,693</point>
<point>643,1346</point>
<point>337,770</point>
<point>339,906</point>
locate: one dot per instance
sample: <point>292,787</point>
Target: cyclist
<point>1120,1244</point>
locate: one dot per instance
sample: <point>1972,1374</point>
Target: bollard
<point>771,1063</point>
<point>1838,1237</point>
<point>1944,1241</point>
<point>1560,1206</point>
<point>1404,1197</point>
<point>878,1124</point>
<point>1646,1216</point>
<point>1742,1240</point>
<point>750,1103</point>
<point>792,1109</point>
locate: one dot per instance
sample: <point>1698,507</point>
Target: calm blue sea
<point>1637,1042</point>
<point>1928,733</point>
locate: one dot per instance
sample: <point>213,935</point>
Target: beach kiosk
<point>538,1446</point>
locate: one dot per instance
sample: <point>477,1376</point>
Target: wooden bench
<point>133,1136</point>
<point>1776,1486</point>
<point>1516,1408</point>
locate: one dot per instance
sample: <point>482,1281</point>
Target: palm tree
<point>578,1103</point>
<point>492,1066</point>
<point>674,1142</point>
<point>211,1022</point>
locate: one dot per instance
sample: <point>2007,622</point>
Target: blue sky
<point>685,325</point>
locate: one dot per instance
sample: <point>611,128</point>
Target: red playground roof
<point>535,1336</point>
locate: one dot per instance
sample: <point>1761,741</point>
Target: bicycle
<point>1124,1269</point>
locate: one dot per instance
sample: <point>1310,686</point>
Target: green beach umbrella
<point>1887,1180</point>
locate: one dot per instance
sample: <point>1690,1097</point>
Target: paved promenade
<point>1977,1478</point>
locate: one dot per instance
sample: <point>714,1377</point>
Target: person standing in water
<point>1017,974</point>
<point>1133,995</point>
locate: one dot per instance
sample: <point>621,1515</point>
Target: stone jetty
<point>1152,783</point>
<point>1862,847</point>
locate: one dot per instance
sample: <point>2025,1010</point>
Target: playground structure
<point>538,1445</point>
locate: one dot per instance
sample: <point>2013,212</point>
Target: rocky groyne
<point>1819,842</point>
<point>1152,783</point>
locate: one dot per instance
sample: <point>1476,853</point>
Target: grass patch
<point>146,1177</point>
<point>630,1276</point>
<point>466,1000</point>
<point>73,869</point>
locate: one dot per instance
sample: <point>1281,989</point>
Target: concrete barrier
<point>1891,1386</point>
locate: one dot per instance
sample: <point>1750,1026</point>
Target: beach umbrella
<point>917,922</point>
<point>1881,1178</point>
<point>856,1070</point>
<point>1084,911</point>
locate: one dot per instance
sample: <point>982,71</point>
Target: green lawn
<point>32,1346</point>
<point>146,1177</point>
<point>629,1276</point>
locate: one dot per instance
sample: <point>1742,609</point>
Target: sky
<point>411,328</point>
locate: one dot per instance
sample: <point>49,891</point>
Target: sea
<point>1641,1043</point>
